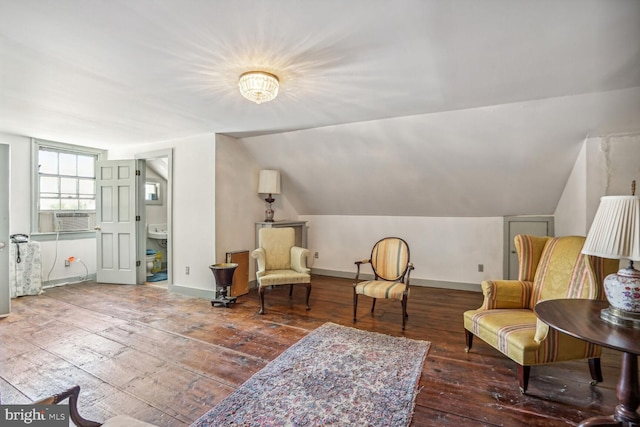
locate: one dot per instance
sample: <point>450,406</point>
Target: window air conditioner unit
<point>70,221</point>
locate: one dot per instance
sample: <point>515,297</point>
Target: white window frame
<point>36,145</point>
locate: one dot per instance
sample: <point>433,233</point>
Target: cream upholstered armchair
<point>391,270</point>
<point>550,268</point>
<point>280,262</point>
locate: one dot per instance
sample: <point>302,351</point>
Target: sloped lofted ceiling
<point>423,107</point>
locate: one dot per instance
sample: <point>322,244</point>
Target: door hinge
<point>137,217</point>
<point>138,263</point>
<point>137,172</point>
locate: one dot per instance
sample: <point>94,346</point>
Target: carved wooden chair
<point>550,268</point>
<point>391,270</point>
<point>280,261</point>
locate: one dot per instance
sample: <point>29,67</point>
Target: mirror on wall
<point>152,192</point>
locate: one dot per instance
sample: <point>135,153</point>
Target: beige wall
<point>605,167</point>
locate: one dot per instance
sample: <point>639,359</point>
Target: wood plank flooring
<point>167,358</point>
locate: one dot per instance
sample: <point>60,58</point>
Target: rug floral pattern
<point>335,376</point>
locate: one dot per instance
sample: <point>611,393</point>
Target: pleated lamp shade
<point>615,231</point>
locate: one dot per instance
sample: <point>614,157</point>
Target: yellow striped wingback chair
<point>391,270</point>
<point>280,261</point>
<point>550,268</point>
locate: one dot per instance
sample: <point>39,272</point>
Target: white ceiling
<point>470,88</point>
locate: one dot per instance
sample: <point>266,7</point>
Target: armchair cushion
<point>512,332</point>
<point>381,289</point>
<point>283,277</point>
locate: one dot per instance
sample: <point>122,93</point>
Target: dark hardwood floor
<point>167,358</point>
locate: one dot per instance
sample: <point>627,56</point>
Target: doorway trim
<point>168,153</point>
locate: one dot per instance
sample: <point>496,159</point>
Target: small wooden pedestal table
<point>580,318</point>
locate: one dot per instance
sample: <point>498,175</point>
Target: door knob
<point>97,227</point>
<point>2,245</point>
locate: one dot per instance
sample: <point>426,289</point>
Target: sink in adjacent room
<point>157,231</point>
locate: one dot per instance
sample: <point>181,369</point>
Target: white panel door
<point>118,251</point>
<point>5,301</point>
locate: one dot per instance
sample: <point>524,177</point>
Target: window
<point>64,181</point>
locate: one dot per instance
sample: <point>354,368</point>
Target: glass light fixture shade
<point>259,86</point>
<point>615,234</point>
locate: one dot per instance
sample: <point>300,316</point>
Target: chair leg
<point>468,338</point>
<point>308,294</point>
<point>290,290</point>
<point>404,312</point>
<point>373,306</point>
<point>261,293</point>
<point>595,370</point>
<point>355,304</point>
<point>523,377</point>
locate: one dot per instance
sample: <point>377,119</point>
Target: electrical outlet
<point>481,267</point>
<point>316,255</point>
<point>186,270</point>
<point>67,263</point>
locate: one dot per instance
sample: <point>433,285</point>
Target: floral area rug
<point>335,376</point>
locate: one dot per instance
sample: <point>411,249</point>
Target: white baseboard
<point>459,286</point>
<point>68,281</point>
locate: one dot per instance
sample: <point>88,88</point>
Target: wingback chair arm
<point>506,294</point>
<point>260,255</point>
<point>299,259</point>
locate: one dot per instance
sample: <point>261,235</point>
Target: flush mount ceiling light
<point>258,86</point>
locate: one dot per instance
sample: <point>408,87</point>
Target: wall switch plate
<point>481,267</point>
<point>186,270</point>
<point>316,255</point>
<point>67,263</point>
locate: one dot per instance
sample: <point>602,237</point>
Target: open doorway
<point>156,201</point>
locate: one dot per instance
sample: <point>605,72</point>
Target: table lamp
<point>615,234</point>
<point>269,183</point>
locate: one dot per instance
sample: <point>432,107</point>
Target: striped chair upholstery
<point>391,270</point>
<point>550,268</point>
<point>280,262</point>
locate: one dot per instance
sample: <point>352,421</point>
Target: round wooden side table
<point>580,318</point>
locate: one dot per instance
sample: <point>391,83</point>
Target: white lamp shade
<point>615,231</point>
<point>269,182</point>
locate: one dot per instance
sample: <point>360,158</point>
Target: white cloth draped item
<point>25,277</point>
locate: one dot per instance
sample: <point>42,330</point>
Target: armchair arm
<point>358,264</point>
<point>506,294</point>
<point>72,394</point>
<point>299,259</point>
<point>261,256</point>
<point>409,269</point>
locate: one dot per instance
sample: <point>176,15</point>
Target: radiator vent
<point>70,221</point>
